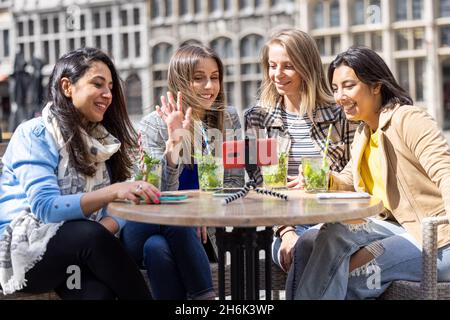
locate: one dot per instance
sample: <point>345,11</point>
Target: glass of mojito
<point>275,176</point>
<point>210,172</point>
<point>316,173</point>
<point>152,171</point>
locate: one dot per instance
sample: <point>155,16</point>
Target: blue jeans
<point>176,262</point>
<point>323,271</point>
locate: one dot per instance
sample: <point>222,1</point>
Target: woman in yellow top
<point>399,155</point>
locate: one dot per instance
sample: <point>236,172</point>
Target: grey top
<point>154,137</point>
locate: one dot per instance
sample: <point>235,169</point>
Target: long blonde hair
<point>305,57</point>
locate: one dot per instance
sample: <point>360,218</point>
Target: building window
<point>319,15</point>
<point>82,22</point>
<point>108,19</point>
<point>335,18</point>
<point>20,28</point>
<point>168,5</point>
<point>409,39</point>
<point>55,25</point>
<point>183,7</point>
<point>373,40</point>
<point>444,8</point>
<point>366,12</point>
<point>197,6</point>
<point>411,76</point>
<point>109,44</point>
<point>125,52</point>
<point>137,44</point>
<point>227,5</point>
<point>57,49</point>
<point>133,94</point>
<point>249,91</point>
<point>136,16</point>
<point>124,17</point>
<point>71,44</point>
<point>96,18</point>
<point>408,10</point>
<point>329,45</point>
<point>156,10</point>
<point>213,5</point>
<point>161,54</point>
<point>445,36</point>
<point>98,41</point>
<point>223,46</point>
<point>251,45</point>
<point>5,43</point>
<point>44,26</point>
<point>31,27</point>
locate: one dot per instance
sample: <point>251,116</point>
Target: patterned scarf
<point>25,240</point>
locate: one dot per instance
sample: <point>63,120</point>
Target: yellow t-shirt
<point>370,169</point>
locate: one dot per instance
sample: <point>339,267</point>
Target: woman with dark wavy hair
<point>400,156</point>
<point>60,171</point>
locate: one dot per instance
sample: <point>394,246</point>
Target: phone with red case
<point>263,152</point>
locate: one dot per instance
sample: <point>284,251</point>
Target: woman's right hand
<point>287,249</point>
<point>135,190</point>
<point>296,182</point>
<point>172,114</point>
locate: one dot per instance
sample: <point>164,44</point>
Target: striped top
<point>299,128</point>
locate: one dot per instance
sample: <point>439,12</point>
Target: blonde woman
<point>178,267</point>
<point>296,106</point>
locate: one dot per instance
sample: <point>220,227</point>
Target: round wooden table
<point>244,242</point>
<point>202,209</point>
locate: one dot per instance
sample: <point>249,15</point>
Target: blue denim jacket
<point>29,179</point>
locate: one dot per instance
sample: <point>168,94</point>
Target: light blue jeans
<point>321,263</point>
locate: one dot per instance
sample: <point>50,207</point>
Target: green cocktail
<point>275,176</point>
<point>152,172</point>
<point>210,172</point>
<point>315,172</point>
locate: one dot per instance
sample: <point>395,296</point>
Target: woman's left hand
<point>202,234</point>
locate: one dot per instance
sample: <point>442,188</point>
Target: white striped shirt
<point>302,145</point>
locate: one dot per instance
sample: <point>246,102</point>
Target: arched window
<point>133,94</point>
<point>161,54</point>
<point>224,48</point>
<point>250,68</point>
<point>251,45</point>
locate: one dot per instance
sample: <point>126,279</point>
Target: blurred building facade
<point>413,36</point>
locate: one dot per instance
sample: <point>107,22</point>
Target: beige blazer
<point>415,166</point>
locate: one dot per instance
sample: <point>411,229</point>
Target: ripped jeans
<point>320,268</point>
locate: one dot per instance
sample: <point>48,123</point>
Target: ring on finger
<point>138,188</point>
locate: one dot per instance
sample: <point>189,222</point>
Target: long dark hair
<point>371,69</point>
<point>73,66</point>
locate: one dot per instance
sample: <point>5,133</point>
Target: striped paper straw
<point>141,154</point>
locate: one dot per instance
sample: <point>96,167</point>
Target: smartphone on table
<point>169,196</point>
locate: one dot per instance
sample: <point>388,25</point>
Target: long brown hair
<point>181,76</point>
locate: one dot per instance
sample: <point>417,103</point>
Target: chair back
<point>3,146</point>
